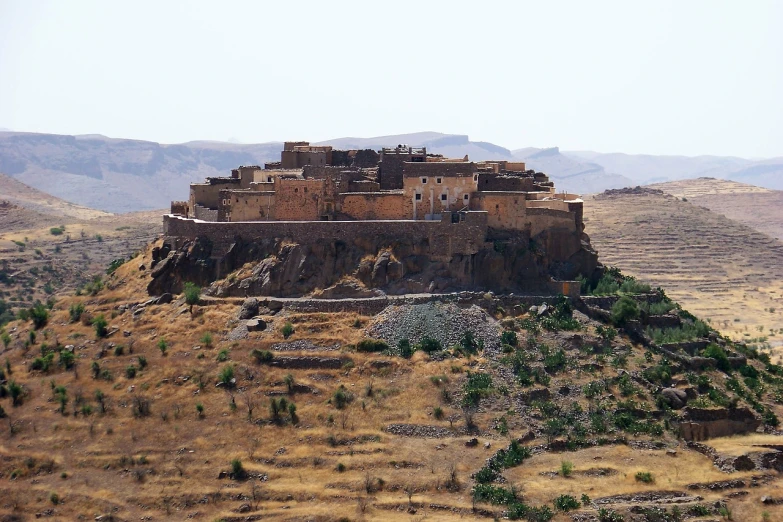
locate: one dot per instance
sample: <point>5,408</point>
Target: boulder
<point>165,298</point>
<point>248,309</point>
<point>677,399</point>
<point>255,325</point>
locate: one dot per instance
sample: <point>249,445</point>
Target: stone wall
<point>505,210</point>
<point>204,213</point>
<point>444,238</point>
<point>246,205</point>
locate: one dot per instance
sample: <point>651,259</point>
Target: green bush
<point>469,344</point>
<point>192,294</point>
<point>566,468</point>
<point>713,351</point>
<point>226,376</point>
<point>222,355</point>
<point>566,503</point>
<point>130,372</point>
<point>237,470</point>
<point>56,231</point>
<point>163,346</point>
<point>67,359</point>
<point>493,494</point>
<point>405,348</point>
<point>39,315</point>
<point>262,356</point>
<point>287,330</point>
<point>114,265</point>
<point>75,311</point>
<point>371,345</point>
<point>624,310</point>
<point>429,345</point>
<point>100,324</point>
<point>477,386</point>
<point>644,476</point>
<point>509,337</point>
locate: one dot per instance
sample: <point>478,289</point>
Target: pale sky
<point>658,77</point>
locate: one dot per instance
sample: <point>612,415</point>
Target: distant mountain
<point>646,169</point>
<point>119,175</point>
<point>450,145</point>
<point>571,174</point>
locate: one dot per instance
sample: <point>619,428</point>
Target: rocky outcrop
<point>363,267</point>
<point>702,424</point>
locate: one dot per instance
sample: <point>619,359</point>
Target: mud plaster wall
<point>297,199</point>
<point>452,188</point>
<point>246,206</point>
<point>445,238</point>
<point>505,210</point>
<point>376,206</point>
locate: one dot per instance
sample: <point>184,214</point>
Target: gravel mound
<point>303,346</point>
<point>418,430</point>
<point>445,322</point>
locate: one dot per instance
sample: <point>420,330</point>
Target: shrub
<point>16,392</point>
<point>207,339</point>
<point>114,265</point>
<point>429,345</point>
<point>56,231</point>
<point>566,503</point>
<point>714,351</point>
<point>142,361</point>
<point>437,412</point>
<point>200,410</point>
<point>222,356</point>
<point>163,346</point>
<point>226,376</point>
<point>555,362</point>
<point>341,398</point>
<point>644,476</point>
<point>477,386</point>
<point>509,337</point>
<point>237,470</point>
<point>75,311</point>
<point>67,359</point>
<point>371,345</point>
<point>493,494</point>
<point>469,343</point>
<point>566,468</point>
<point>192,294</point>
<point>262,356</point>
<point>100,324</point>
<point>287,330</point>
<point>130,372</point>
<point>609,515</point>
<point>405,348</point>
<point>624,310</point>
<point>119,350</point>
<point>39,315</point>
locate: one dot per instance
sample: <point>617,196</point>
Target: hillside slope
<point>756,207</point>
<point>718,268</point>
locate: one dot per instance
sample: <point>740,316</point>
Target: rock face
<point>702,424</point>
<point>676,398</point>
<point>364,266</point>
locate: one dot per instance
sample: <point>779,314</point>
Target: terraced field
<point>757,207</point>
<point>720,269</point>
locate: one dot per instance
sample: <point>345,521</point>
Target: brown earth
<point>721,270</point>
<point>756,207</point>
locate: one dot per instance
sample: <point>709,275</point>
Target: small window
<point>418,197</point>
<point>423,181</point>
<point>296,190</point>
<point>439,180</point>
<point>465,197</point>
<point>305,190</point>
<point>269,179</point>
<point>443,197</point>
<point>475,177</point>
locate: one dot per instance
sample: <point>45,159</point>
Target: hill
<point>570,174</point>
<point>117,175</point>
<point>170,411</point>
<point>646,169</point>
<point>720,269</point>
<point>756,207</point>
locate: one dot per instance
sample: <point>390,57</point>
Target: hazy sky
<point>682,77</point>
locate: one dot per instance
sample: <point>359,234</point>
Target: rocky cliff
<point>365,266</point>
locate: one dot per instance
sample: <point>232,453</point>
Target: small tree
<point>226,376</point>
<point>192,294</point>
<point>624,310</point>
<point>287,330</point>
<point>207,339</point>
<point>16,391</point>
<point>163,346</point>
<point>40,315</point>
<point>289,383</point>
<point>200,410</point>
<point>100,324</point>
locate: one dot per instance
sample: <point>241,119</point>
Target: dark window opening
<point>418,197</point>
<point>443,197</point>
<point>439,180</point>
<point>423,181</point>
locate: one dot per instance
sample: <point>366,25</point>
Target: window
<point>269,179</point>
<point>418,197</point>
<point>296,190</point>
<point>439,180</point>
<point>465,197</point>
<point>475,177</point>
<point>423,181</point>
<point>443,197</point>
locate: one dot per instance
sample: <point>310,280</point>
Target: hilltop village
<point>438,207</point>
